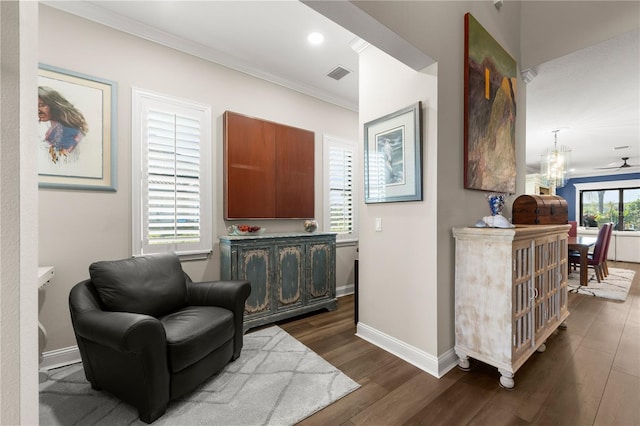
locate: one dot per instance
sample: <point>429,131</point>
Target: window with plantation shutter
<point>339,180</point>
<point>171,173</point>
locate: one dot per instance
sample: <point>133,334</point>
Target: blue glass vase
<point>496,203</point>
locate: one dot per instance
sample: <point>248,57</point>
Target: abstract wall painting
<point>489,112</point>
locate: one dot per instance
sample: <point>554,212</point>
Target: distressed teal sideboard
<point>290,273</point>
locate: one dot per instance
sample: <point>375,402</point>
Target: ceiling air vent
<point>338,72</point>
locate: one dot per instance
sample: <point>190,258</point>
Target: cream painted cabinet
<point>510,293</point>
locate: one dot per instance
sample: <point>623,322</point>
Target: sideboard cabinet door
<point>322,272</point>
<point>255,264</point>
<point>290,278</point>
<point>551,291</point>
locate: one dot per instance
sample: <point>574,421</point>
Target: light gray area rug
<point>615,286</point>
<point>276,381</point>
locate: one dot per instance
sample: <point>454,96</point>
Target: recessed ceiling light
<point>315,38</point>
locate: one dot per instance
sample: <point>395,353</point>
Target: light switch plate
<point>378,224</point>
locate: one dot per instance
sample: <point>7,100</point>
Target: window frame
<point>142,101</point>
<point>330,142</point>
<point>618,185</point>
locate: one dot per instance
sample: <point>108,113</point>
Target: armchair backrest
<point>84,297</point>
<point>152,284</point>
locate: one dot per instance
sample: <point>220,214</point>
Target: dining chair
<point>573,232</point>
<point>605,266</point>
<point>594,259</point>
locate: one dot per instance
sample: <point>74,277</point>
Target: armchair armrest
<point>121,331</point>
<point>118,346</point>
<point>231,295</point>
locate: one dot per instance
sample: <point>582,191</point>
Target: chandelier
<point>555,164</point>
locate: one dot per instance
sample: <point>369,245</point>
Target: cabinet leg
<point>563,325</point>
<point>541,348</point>
<point>463,361</point>
<point>506,379</point>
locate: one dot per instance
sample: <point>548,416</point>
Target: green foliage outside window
<point>618,206</point>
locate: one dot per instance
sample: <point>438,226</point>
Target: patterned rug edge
<point>614,287</point>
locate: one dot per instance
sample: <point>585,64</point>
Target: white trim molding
<point>345,290</point>
<point>60,358</point>
<point>436,366</point>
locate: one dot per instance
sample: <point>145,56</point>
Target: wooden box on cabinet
<point>510,293</point>
<point>290,274</point>
<point>540,210</point>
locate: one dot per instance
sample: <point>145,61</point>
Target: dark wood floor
<point>589,374</point>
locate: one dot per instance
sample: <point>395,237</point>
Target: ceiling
<point>591,96</point>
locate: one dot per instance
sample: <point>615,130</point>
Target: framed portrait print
<point>489,112</point>
<point>393,156</point>
<point>76,130</point>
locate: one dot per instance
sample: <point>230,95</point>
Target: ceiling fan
<point>624,165</point>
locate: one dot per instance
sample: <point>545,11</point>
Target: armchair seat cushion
<point>194,332</point>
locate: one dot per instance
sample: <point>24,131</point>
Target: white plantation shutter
<point>174,208</point>
<point>340,189</point>
<point>173,190</point>
<point>340,202</point>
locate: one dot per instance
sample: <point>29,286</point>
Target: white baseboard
<point>60,358</point>
<point>436,366</point>
<point>344,290</point>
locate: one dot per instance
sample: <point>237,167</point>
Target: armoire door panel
<point>268,169</point>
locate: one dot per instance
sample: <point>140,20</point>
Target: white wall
<point>397,292</point>
<point>18,217</point>
<point>79,227</point>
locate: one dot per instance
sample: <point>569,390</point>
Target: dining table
<point>581,244</point>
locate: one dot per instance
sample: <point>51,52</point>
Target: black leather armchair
<point>148,334</point>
